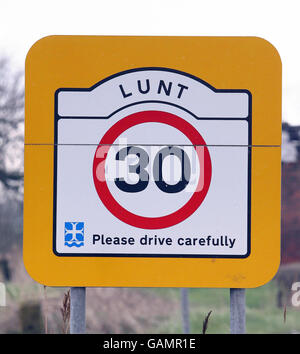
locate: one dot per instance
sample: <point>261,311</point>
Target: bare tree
<point>11,129</point>
<point>10,227</point>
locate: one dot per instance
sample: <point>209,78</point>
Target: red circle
<point>99,170</point>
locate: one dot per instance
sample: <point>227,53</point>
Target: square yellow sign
<point>152,161</point>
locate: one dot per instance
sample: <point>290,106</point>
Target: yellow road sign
<point>152,161</point>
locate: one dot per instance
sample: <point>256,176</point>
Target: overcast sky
<point>25,21</point>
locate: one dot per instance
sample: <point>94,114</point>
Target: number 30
<point>143,162</point>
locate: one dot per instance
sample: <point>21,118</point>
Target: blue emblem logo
<point>74,234</point>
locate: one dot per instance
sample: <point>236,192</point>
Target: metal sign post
<point>77,310</point>
<point>185,310</point>
<point>237,311</point>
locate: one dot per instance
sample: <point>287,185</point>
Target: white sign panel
<point>152,162</point>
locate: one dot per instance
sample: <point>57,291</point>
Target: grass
<point>262,314</point>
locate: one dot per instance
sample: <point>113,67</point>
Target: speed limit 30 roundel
<point>152,162</point>
<point>202,182</point>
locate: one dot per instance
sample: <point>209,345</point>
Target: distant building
<point>290,223</point>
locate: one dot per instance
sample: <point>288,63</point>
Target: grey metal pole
<point>185,310</point>
<point>77,310</point>
<point>237,311</point>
